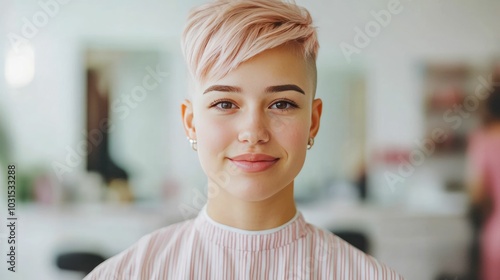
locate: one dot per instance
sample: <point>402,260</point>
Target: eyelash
<point>292,104</point>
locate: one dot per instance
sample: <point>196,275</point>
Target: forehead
<point>281,65</point>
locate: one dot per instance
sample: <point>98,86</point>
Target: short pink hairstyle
<point>222,34</point>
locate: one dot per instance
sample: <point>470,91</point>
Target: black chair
<point>79,261</point>
<point>355,238</point>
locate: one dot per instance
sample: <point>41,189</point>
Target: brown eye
<point>225,105</point>
<point>281,105</point>
<point>284,105</point>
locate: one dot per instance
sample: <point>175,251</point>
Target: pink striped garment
<point>201,248</point>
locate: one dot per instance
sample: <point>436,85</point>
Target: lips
<point>254,162</point>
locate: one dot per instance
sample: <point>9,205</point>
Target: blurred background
<point>90,95</point>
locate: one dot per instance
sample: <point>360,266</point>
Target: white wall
<point>50,109</point>
<point>423,31</point>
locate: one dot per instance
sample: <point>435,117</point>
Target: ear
<point>188,119</point>
<point>317,108</point>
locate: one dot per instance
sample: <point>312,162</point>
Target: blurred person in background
<point>484,186</point>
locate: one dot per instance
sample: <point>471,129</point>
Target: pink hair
<point>222,34</point>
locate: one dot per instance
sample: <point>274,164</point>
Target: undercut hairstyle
<point>222,34</point>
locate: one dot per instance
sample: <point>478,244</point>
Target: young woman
<point>251,118</point>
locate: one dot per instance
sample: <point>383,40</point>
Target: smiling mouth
<point>254,166</point>
<point>253,162</point>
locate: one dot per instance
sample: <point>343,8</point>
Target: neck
<point>253,215</point>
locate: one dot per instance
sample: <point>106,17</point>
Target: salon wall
<point>422,31</point>
<point>50,108</point>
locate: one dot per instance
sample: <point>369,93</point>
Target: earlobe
<point>188,119</point>
<point>317,108</point>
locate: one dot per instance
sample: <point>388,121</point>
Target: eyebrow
<point>271,89</point>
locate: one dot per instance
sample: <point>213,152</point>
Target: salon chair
<point>355,238</point>
<point>79,261</point>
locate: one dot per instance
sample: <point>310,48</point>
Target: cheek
<point>292,133</point>
<point>213,137</point>
<point>213,134</point>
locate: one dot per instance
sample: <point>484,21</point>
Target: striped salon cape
<point>201,248</point>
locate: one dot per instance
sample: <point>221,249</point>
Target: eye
<point>222,105</point>
<point>284,105</point>
<point>225,105</point>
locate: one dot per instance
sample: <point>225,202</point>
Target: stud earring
<point>310,143</point>
<point>194,143</point>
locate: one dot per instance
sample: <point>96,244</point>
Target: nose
<point>254,128</point>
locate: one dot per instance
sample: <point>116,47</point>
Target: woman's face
<point>253,125</point>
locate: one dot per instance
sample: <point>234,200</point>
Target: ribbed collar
<point>247,240</point>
